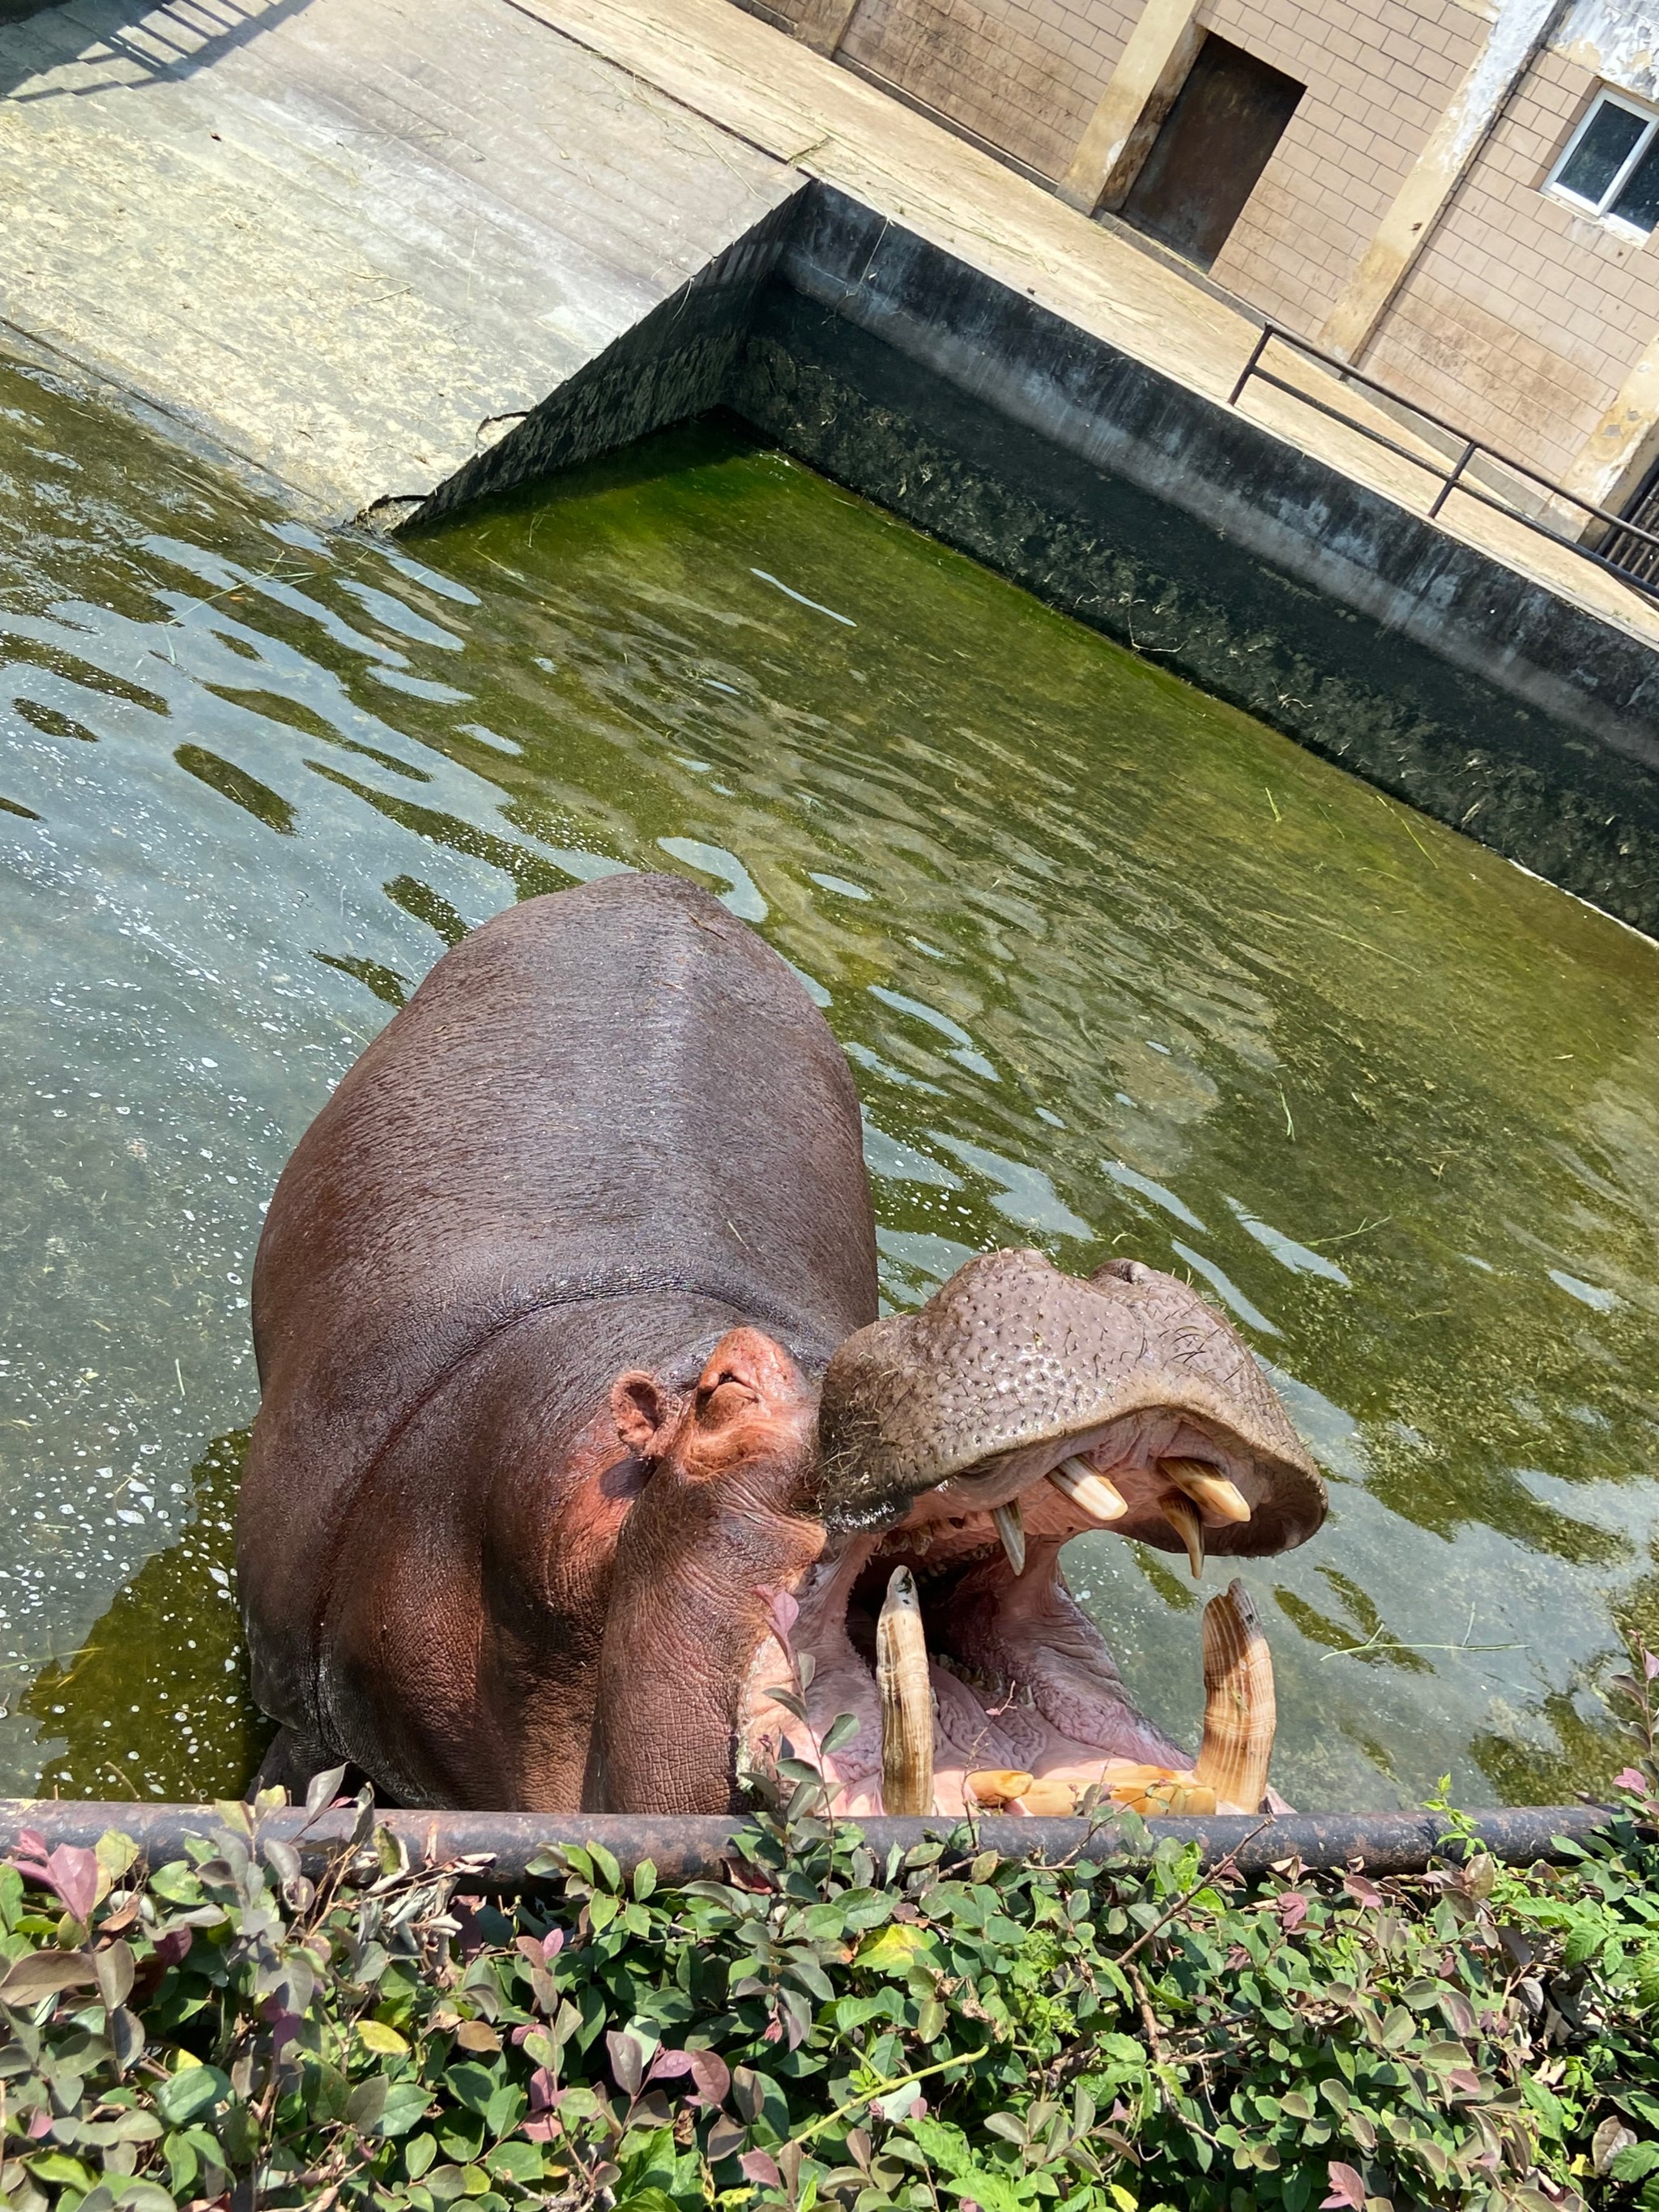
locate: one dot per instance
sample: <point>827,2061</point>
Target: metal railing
<point>1638,544</point>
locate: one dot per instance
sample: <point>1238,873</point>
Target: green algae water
<point>1118,970</point>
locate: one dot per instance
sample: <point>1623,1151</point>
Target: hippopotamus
<point>583,1443</point>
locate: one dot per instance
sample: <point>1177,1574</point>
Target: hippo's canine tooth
<point>906,1699</point>
<point>1207,1487</point>
<point>1011,1530</point>
<point>1183,1517</point>
<point>1239,1707</point>
<point>1091,1493</point>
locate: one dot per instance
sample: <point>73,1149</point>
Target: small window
<point>1611,167</point>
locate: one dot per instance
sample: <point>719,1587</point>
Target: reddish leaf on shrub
<point>712,2075</point>
<point>1346,2188</point>
<point>627,2060</point>
<point>1292,1910</point>
<point>760,2168</point>
<point>70,1872</point>
<point>723,2138</point>
<point>669,2065</point>
<point>173,1948</point>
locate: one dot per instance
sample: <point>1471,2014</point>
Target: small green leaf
<point>63,2172</point>
<point>367,2102</point>
<point>473,2085</point>
<point>1582,1943</point>
<point>190,2091</point>
<point>514,2161</point>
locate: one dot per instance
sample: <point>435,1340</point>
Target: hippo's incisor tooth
<point>906,1699</point>
<point>1090,1492</point>
<point>1207,1487</point>
<point>1011,1530</point>
<point>1239,1709</point>
<point>1183,1517</point>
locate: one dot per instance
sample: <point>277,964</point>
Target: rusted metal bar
<point>1256,351</point>
<point>685,1848</point>
<point>1349,374</point>
<point>1470,449</point>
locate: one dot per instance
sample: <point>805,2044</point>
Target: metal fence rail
<point>1635,545</point>
<point>499,1847</point>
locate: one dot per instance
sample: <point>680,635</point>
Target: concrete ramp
<point>335,238</point>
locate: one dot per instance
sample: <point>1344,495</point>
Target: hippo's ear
<point>639,1407</point>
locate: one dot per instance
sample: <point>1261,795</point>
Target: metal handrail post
<point>1244,374</point>
<point>1470,449</point>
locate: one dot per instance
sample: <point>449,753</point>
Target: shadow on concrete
<point>130,42</point>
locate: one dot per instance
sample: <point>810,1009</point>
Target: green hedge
<point>925,2032</point>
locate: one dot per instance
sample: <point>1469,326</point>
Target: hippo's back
<point>612,1090</point>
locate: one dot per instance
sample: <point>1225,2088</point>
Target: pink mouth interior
<point>1022,1679</point>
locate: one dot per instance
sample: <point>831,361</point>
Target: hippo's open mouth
<point>961,1448</point>
<point>975,1678</point>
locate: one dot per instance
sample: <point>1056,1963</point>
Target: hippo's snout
<point>961,1448</point>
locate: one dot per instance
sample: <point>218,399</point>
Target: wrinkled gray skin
<point>545,1305</point>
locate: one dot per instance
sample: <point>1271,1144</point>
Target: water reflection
<point>1117,969</point>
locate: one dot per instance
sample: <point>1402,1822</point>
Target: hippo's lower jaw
<point>1027,1704</point>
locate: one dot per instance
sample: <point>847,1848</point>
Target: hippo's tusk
<point>1207,1488</point>
<point>1091,1493</point>
<point>1011,1530</point>
<point>1239,1709</point>
<point>1183,1517</point>
<point>906,1699</point>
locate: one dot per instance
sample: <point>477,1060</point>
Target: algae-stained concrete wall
<point>1160,517</point>
<point>679,361</point>
<point>1185,530</point>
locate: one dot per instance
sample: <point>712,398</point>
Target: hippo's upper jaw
<point>962,1448</point>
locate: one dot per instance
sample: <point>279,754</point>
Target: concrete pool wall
<point>393,273</point>
<point>1150,512</point>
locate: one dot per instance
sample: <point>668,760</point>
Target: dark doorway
<point>1215,142</point>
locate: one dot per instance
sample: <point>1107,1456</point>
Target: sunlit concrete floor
<point>335,236</point>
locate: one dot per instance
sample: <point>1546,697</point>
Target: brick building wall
<point>1519,319</point>
<point>1522,318</point>
<point>1378,74</point>
<point>1026,75</point>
